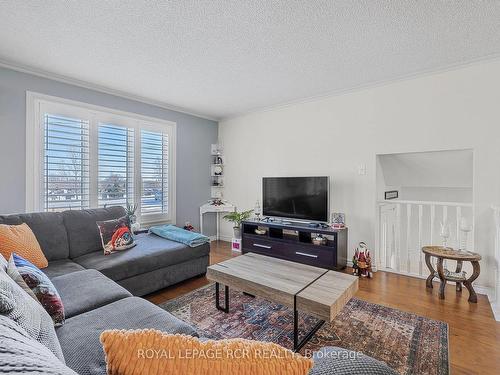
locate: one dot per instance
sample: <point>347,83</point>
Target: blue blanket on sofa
<point>173,233</point>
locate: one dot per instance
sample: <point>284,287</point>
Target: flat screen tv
<point>299,198</point>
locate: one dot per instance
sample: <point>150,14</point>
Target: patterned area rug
<point>408,343</point>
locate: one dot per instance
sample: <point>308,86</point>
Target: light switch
<point>362,169</point>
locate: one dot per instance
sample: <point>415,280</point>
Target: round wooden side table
<point>458,276</point>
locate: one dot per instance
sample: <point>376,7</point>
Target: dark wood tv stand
<point>294,242</point>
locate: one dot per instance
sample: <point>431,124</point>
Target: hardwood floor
<point>474,335</point>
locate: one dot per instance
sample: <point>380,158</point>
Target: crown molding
<point>367,86</point>
<point>102,89</point>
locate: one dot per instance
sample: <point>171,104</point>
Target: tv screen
<point>301,198</point>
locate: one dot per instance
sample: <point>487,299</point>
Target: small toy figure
<point>188,226</point>
<point>355,268</point>
<point>362,261</point>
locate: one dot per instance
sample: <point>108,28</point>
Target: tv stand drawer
<point>313,255</point>
<point>264,246</point>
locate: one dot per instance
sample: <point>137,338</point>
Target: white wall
<point>332,136</point>
<point>444,176</point>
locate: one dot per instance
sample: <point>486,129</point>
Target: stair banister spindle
<point>408,237</point>
<point>420,218</point>
<point>459,218</point>
<point>398,238</point>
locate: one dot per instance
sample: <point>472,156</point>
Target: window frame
<point>37,104</point>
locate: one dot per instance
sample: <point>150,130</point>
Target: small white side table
<point>207,207</point>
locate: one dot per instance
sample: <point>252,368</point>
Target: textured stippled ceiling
<point>221,58</point>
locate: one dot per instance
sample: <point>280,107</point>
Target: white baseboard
<point>490,293</point>
<point>495,307</point>
<point>221,238</point>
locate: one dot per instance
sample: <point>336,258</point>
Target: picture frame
<point>391,194</point>
<point>338,218</point>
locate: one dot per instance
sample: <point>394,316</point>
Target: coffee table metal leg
<point>226,298</point>
<point>297,345</point>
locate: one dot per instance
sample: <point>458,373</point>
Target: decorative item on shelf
<point>217,181</point>
<point>216,149</point>
<point>237,218</point>
<point>130,210</point>
<point>444,232</point>
<point>217,170</point>
<point>465,228</point>
<point>260,231</point>
<point>338,220</point>
<point>188,226</point>
<point>319,240</point>
<point>218,160</point>
<point>362,261</point>
<point>236,244</point>
<point>216,202</point>
<point>257,210</point>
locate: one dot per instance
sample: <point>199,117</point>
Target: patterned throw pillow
<point>16,276</point>
<point>42,288</point>
<point>21,240</point>
<point>115,235</point>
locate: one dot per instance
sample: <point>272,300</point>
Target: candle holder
<point>465,229</point>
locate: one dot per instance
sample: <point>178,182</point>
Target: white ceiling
<point>223,58</point>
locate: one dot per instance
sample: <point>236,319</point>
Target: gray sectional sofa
<point>71,242</point>
<point>93,302</point>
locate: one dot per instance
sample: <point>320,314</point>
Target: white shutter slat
<point>115,165</point>
<point>66,156</point>
<point>154,173</point>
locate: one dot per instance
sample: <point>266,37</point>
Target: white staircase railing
<point>405,226</point>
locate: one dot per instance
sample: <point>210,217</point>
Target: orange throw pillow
<point>21,240</point>
<point>153,352</point>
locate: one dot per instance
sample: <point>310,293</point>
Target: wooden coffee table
<point>316,291</point>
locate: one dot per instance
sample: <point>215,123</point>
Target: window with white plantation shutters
<point>115,165</point>
<point>66,163</point>
<point>154,173</point>
<point>82,156</point>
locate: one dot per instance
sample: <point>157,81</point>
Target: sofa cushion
<point>83,234</point>
<point>21,354</point>
<point>339,361</point>
<point>150,253</point>
<point>61,267</point>
<point>17,305</point>
<point>86,290</point>
<point>49,230</point>
<point>79,337</point>
<point>150,282</point>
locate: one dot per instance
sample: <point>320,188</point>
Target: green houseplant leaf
<point>237,217</point>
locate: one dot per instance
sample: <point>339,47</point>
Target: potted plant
<point>130,210</point>
<point>236,218</point>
